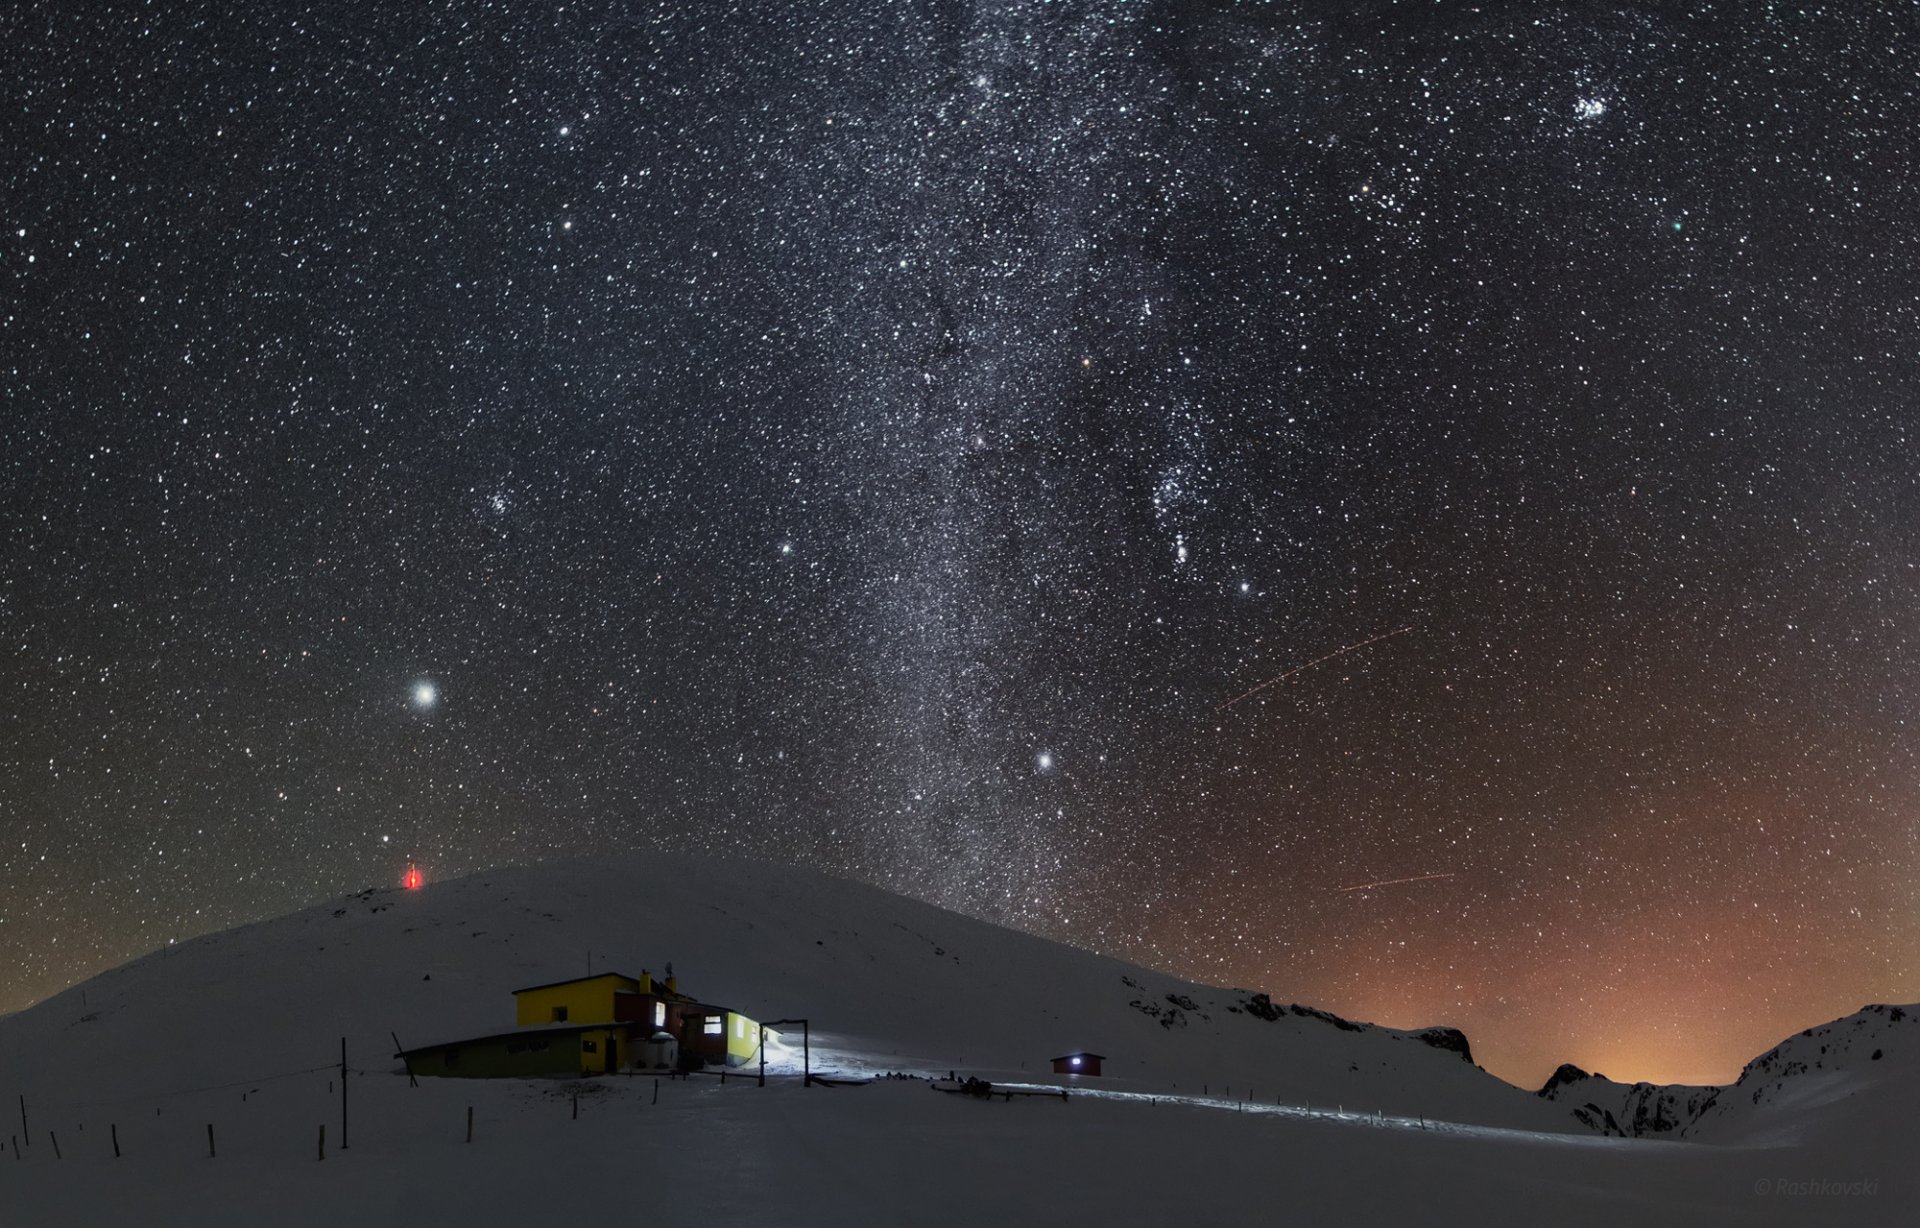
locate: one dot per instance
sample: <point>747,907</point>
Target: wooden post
<point>656,1085</point>
<point>24,1132</point>
<point>576,1104</point>
<point>56,1143</point>
<point>323,1140</point>
<point>210,1140</point>
<point>397,1047</point>
<point>469,1123</point>
<point>115,1131</point>
<point>343,1093</point>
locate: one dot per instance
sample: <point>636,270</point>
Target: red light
<point>412,880</point>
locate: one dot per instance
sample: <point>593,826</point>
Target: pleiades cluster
<point>1410,507</point>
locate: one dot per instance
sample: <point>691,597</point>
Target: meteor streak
<point>1393,882</point>
<point>1338,652</point>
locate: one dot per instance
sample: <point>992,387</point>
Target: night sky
<point>905,437</point>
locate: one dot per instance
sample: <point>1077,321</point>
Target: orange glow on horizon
<point>413,879</point>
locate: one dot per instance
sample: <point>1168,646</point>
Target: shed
<point>1078,1063</point>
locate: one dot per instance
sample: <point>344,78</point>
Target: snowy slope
<point>235,1035</point>
<point>1849,1082</point>
<point>889,983</point>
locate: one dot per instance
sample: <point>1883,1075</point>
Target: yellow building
<point>594,1025</point>
<point>587,999</point>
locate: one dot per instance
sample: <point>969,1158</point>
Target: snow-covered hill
<point>889,983</point>
<point>1219,1106</point>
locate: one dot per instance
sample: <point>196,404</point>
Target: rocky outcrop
<point>1453,1040</point>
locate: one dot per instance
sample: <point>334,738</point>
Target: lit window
<point>587,1046</point>
<point>715,1026</point>
<point>559,1014</point>
<point>659,1014</point>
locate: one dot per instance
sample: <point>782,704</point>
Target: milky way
<point>927,441</point>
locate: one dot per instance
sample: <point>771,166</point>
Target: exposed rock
<point>1260,1006</point>
<point>1567,1073</point>
<point>1345,1025</point>
<point>1453,1040</point>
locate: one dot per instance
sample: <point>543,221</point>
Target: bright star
<point>425,695</point>
<point>1044,761</point>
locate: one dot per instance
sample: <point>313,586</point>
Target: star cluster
<point>914,438</point>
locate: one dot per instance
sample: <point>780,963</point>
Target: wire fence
<point>140,1097</point>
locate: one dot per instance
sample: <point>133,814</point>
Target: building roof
<point>1068,1057</point>
<point>577,980</point>
<point>544,1029</point>
<point>659,991</point>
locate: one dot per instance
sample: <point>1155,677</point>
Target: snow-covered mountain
<point>1846,1080</point>
<point>1626,1110</point>
<point>1851,1079</point>
<point>888,983</point>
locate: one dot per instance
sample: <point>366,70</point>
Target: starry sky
<point>1133,471</point>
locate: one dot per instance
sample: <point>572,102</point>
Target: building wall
<point>499,1058</point>
<point>743,1039</point>
<point>594,1051</point>
<point>503,1057</point>
<point>588,1000</point>
<point>647,1011</point>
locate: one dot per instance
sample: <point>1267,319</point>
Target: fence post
<point>24,1132</point>
<point>469,1123</point>
<point>210,1152</point>
<point>576,1106</point>
<point>114,1130</point>
<point>323,1140</point>
<point>343,1093</point>
<point>56,1143</point>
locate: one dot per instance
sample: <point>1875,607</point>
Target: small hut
<point>1078,1064</point>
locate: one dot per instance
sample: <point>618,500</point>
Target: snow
<point>1210,1110</point>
